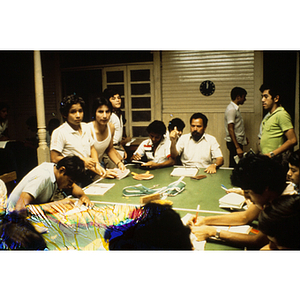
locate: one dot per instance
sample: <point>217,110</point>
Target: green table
<point>205,192</point>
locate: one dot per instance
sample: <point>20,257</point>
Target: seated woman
<point>74,137</point>
<point>156,149</point>
<point>280,221</point>
<point>103,131</point>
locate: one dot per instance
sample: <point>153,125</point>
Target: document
<point>184,171</point>
<point>98,188</point>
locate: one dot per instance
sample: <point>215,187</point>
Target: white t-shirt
<point>233,115</point>
<point>200,153</point>
<point>69,142</point>
<point>40,183</point>
<point>103,145</point>
<point>161,154</point>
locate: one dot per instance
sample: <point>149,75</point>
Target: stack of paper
<point>184,171</point>
<point>121,174</point>
<point>232,201</point>
<point>98,188</point>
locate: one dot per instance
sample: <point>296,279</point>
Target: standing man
<point>197,148</point>
<point>278,136</point>
<point>234,125</point>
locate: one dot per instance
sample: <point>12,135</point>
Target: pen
<point>224,187</point>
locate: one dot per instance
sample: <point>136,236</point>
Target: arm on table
<point>256,241</point>
<point>24,200</point>
<point>232,219</point>
<point>153,165</point>
<point>77,192</point>
<point>213,167</point>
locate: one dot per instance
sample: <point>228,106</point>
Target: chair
<point>8,179</point>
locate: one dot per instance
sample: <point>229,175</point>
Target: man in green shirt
<point>278,135</point>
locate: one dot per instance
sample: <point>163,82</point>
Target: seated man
<point>262,180</point>
<point>280,221</point>
<point>197,148</point>
<point>156,149</point>
<point>39,185</point>
<point>293,172</point>
<point>74,137</point>
<point>158,227</point>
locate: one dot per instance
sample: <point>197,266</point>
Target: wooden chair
<point>8,179</point>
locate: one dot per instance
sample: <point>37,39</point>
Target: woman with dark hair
<point>103,132</point>
<point>118,120</point>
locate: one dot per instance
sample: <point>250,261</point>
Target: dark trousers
<point>232,153</point>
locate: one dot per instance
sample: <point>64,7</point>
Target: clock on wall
<point>207,88</point>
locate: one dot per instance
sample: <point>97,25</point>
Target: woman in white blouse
<point>103,131</point>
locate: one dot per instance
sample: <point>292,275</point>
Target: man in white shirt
<point>197,148</point>
<point>234,125</point>
<point>156,149</point>
<point>39,185</point>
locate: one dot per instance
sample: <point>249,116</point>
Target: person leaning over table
<point>74,137</point>
<point>197,148</point>
<point>103,131</point>
<point>156,149</point>
<point>280,221</point>
<point>39,185</point>
<point>262,180</point>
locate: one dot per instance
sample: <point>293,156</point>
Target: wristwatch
<point>272,154</point>
<point>217,236</point>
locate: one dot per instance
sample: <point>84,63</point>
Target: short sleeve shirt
<point>273,129</point>
<point>162,152</point>
<point>40,183</point>
<point>68,141</point>
<point>200,153</point>
<point>233,115</point>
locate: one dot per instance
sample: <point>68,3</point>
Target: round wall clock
<point>207,88</point>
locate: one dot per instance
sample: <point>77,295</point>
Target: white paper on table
<point>182,171</point>
<point>98,188</point>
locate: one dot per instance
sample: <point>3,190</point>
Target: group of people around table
<point>79,149</point>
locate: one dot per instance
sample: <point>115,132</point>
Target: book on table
<point>232,201</point>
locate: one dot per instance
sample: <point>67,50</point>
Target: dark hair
<point>176,122</point>
<point>67,102</point>
<point>159,227</point>
<point>237,91</point>
<point>273,90</point>
<point>157,127</point>
<point>199,116</point>
<point>257,172</point>
<point>294,158</point>
<point>108,93</point>
<point>281,220</point>
<point>17,233</point>
<point>99,101</point>
<point>74,167</point>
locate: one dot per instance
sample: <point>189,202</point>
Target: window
<point>135,86</point>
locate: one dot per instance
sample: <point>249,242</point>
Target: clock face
<point>207,88</point>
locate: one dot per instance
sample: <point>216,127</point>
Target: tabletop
<point>80,231</point>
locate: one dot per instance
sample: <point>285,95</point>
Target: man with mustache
<point>197,148</point>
